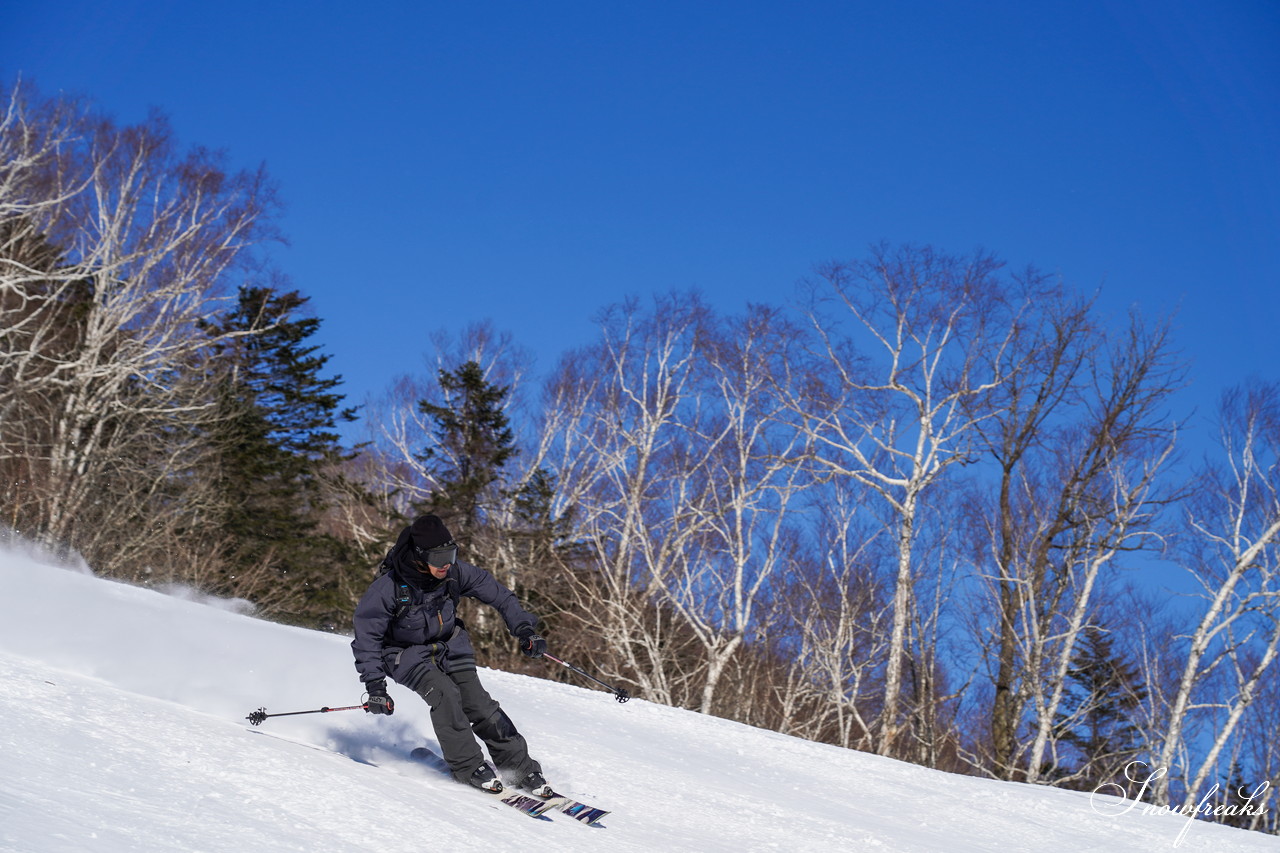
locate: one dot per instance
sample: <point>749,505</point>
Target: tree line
<point>899,513</point>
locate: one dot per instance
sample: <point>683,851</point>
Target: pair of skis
<point>534,807</point>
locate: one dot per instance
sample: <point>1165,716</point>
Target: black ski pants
<point>460,706</point>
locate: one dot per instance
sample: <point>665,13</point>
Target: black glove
<point>530,643</point>
<point>379,702</point>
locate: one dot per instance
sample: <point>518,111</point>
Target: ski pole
<point>618,693</point>
<point>259,716</point>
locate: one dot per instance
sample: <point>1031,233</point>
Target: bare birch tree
<point>1079,439</point>
<point>1025,402</point>
<point>39,288</point>
<point>1096,544</point>
<point>1233,553</point>
<point>937,679</point>
<point>835,608</point>
<point>1262,750</point>
<point>752,468</point>
<point>904,393</point>
<point>147,240</point>
<point>619,415</point>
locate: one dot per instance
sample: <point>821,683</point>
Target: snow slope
<point>122,728</point>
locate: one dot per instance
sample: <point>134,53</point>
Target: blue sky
<point>530,163</point>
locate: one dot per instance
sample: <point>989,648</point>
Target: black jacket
<point>427,632</point>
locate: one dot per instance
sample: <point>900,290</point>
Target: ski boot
<point>536,786</point>
<point>485,779</point>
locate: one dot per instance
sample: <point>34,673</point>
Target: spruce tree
<point>1234,796</point>
<point>277,433</point>
<point>473,444</point>
<point>507,527</point>
<point>1105,689</point>
<point>469,459</point>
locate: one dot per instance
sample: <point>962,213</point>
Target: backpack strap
<point>403,597</point>
<point>455,595</point>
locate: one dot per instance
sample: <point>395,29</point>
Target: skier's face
<point>437,572</point>
<point>436,561</point>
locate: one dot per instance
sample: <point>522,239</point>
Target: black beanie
<point>429,531</point>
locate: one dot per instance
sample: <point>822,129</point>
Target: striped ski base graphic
<point>583,813</point>
<point>532,806</point>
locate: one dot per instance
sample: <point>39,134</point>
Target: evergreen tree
<point>1233,797</point>
<point>473,448</point>
<point>540,535</point>
<point>1104,691</point>
<point>541,546</point>
<point>510,529</point>
<point>473,444</point>
<point>276,435</point>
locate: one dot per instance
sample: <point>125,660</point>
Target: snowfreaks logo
<point>1250,802</point>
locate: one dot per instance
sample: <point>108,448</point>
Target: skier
<point>406,627</point>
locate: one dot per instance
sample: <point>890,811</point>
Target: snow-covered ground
<point>122,728</point>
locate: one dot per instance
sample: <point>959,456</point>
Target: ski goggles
<point>439,556</point>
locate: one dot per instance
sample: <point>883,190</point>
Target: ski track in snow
<point>122,729</point>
